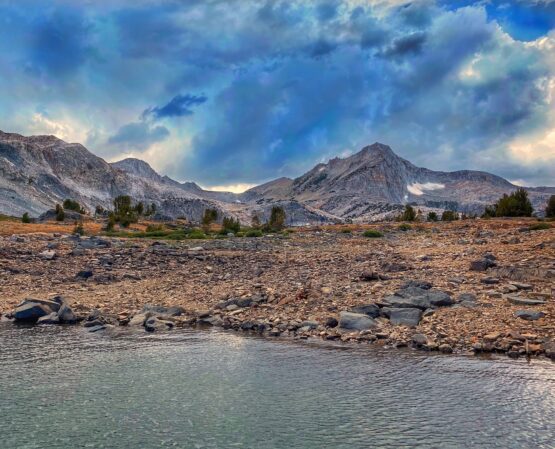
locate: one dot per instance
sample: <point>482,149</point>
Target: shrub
<point>140,208</point>
<point>540,226</point>
<point>345,231</point>
<point>255,221</point>
<point>60,214</point>
<point>516,204</point>
<point>550,209</point>
<point>154,228</point>
<point>209,216</point>
<point>123,213</point>
<point>372,233</point>
<point>404,227</point>
<point>449,215</point>
<point>25,218</point>
<point>277,219</point>
<point>432,216</point>
<point>79,229</point>
<point>229,224</point>
<point>254,233</point>
<point>73,205</point>
<point>111,222</point>
<point>409,214</point>
<point>197,234</point>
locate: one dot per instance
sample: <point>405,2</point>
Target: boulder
<point>98,327</point>
<point>156,324</point>
<point>356,321</point>
<point>520,301</point>
<point>372,310</point>
<point>403,316</point>
<point>331,322</point>
<point>419,298</point>
<point>161,310</point>
<point>66,315</point>
<point>48,254</point>
<point>51,318</point>
<point>139,319</point>
<point>529,315</point>
<point>84,274</point>
<point>482,264</point>
<point>424,285</point>
<point>31,311</point>
<point>419,340</point>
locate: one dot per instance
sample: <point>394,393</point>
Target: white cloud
<point>419,189</point>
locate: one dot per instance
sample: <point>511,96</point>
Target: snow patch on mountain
<point>418,188</point>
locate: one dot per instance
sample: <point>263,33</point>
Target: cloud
<point>449,85</point>
<point>178,106</point>
<point>138,136</point>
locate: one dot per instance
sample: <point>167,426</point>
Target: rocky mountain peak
<point>136,167</point>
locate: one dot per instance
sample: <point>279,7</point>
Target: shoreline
<point>295,287</point>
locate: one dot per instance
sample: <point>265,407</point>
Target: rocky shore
<point>471,286</point>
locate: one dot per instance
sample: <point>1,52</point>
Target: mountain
<point>39,171</point>
<point>366,185</point>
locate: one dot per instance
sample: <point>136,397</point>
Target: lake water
<point>65,388</point>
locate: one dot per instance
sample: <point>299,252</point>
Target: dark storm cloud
<point>178,106</point>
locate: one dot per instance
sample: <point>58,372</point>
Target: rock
<point>419,340</point>
<point>482,264</point>
<point>161,310</point>
<point>520,301</point>
<point>98,327</point>
<point>529,315</point>
<point>490,281</point>
<point>445,348</point>
<point>84,274</point>
<point>331,322</point>
<point>48,254</point>
<point>93,323</point>
<point>372,310</point>
<point>492,336</point>
<point>424,285</point>
<point>31,311</point>
<point>403,316</point>
<point>416,297</point>
<point>549,348</point>
<point>310,324</point>
<point>521,286</point>
<point>51,318</point>
<point>369,276</point>
<point>356,321</point>
<point>66,315</point>
<point>470,297</point>
<point>138,319</point>
<point>155,324</point>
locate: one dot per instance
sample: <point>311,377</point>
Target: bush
<point>123,213</point>
<point>540,226</point>
<point>111,222</point>
<point>409,214</point>
<point>25,218</point>
<point>404,227</point>
<point>449,215</point>
<point>197,234</point>
<point>209,216</point>
<point>550,209</point>
<point>154,228</point>
<point>79,229</point>
<point>345,231</point>
<point>255,221</point>
<point>60,214</point>
<point>73,205</point>
<point>516,204</point>
<point>432,216</point>
<point>372,233</point>
<point>229,224</point>
<point>254,233</point>
<point>277,219</point>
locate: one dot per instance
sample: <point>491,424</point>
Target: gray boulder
<point>416,297</point>
<point>520,301</point>
<point>51,318</point>
<point>372,310</point>
<point>529,315</point>
<point>356,321</point>
<point>403,316</point>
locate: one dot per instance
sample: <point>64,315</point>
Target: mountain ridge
<point>37,172</point>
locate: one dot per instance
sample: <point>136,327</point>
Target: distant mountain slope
<point>375,177</point>
<point>39,171</point>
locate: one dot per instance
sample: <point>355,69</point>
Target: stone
<point>529,315</point>
<point>403,316</point>
<point>521,286</point>
<point>416,297</point>
<point>372,310</point>
<point>419,340</point>
<point>48,254</point>
<point>98,327</point>
<point>331,322</point>
<point>138,319</point>
<point>356,321</point>
<point>51,318</point>
<point>482,264</point>
<point>445,348</point>
<point>84,274</point>
<point>549,348</point>
<point>520,301</point>
<point>310,324</point>
<point>424,285</point>
<point>161,310</point>
<point>489,281</point>
<point>156,324</point>
<point>31,311</point>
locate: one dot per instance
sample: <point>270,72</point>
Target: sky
<point>232,93</point>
